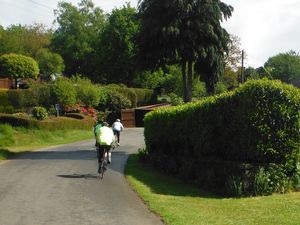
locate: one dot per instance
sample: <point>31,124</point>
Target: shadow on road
<point>58,155</point>
<point>84,176</point>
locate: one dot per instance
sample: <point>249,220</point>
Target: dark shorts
<point>101,149</point>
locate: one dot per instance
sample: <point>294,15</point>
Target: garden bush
<point>65,91</point>
<point>257,124</point>
<point>39,113</point>
<point>5,105</point>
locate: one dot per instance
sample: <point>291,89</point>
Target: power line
<point>40,4</point>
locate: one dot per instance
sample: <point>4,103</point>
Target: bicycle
<point>103,160</point>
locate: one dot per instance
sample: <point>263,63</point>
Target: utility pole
<point>242,69</point>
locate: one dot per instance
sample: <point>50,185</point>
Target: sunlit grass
<point>30,139</point>
<point>179,203</point>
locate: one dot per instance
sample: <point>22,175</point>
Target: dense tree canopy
<point>77,36</point>
<point>25,40</point>
<point>284,66</point>
<point>49,63</point>
<point>18,66</point>
<point>118,49</point>
<point>185,31</point>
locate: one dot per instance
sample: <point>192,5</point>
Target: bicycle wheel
<point>102,168</point>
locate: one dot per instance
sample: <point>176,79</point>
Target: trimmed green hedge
<point>257,124</point>
<point>5,105</point>
<point>54,123</point>
<point>137,96</point>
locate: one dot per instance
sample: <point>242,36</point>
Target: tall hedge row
<point>227,140</point>
<point>137,96</point>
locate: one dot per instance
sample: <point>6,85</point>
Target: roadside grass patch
<point>30,139</point>
<point>179,203</point>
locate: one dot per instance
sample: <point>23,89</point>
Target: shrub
<point>6,135</point>
<point>87,93</point>
<point>261,184</point>
<point>258,123</point>
<point>234,186</point>
<point>64,91</point>
<point>5,105</point>
<point>39,113</point>
<point>42,93</point>
<point>22,98</point>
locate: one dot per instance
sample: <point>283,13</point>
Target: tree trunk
<point>184,82</point>
<point>16,83</point>
<point>190,81</point>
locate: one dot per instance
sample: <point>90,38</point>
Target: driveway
<point>60,186</point>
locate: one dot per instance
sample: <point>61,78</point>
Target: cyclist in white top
<point>117,127</point>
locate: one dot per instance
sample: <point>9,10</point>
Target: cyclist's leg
<point>118,137</point>
<point>108,153</point>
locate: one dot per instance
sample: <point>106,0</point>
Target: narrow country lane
<point>60,186</point>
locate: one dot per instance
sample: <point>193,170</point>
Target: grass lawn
<point>28,139</point>
<point>182,204</point>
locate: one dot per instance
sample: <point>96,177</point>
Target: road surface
<point>60,186</point>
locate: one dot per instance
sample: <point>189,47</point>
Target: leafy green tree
<point>148,79</point>
<point>26,40</point>
<point>264,72</point>
<point>186,32</point>
<point>118,47</point>
<point>49,63</point>
<point>251,73</point>
<point>18,67</point>
<point>284,66</point>
<point>77,36</point>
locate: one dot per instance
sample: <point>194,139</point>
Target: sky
<point>265,27</point>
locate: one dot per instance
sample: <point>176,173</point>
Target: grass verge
<point>31,139</point>
<point>179,203</point>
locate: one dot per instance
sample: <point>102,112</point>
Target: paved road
<point>60,186</point>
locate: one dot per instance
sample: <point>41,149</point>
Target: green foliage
<point>21,98</point>
<point>175,99</point>
<point>149,79</point>
<point>143,155</point>
<point>118,49</point>
<point>65,91</point>
<point>199,89</point>
<point>173,32</point>
<point>234,186</point>
<point>261,184</point>
<point>6,135</point>
<point>5,105</point>
<point>112,104</point>
<point>220,87</point>
<point>49,63</point>
<point>77,36</point>
<point>87,93</point>
<point>25,40</point>
<point>18,66</point>
<point>39,113</point>
<point>42,94</point>
<point>257,123</point>
<point>284,66</point>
